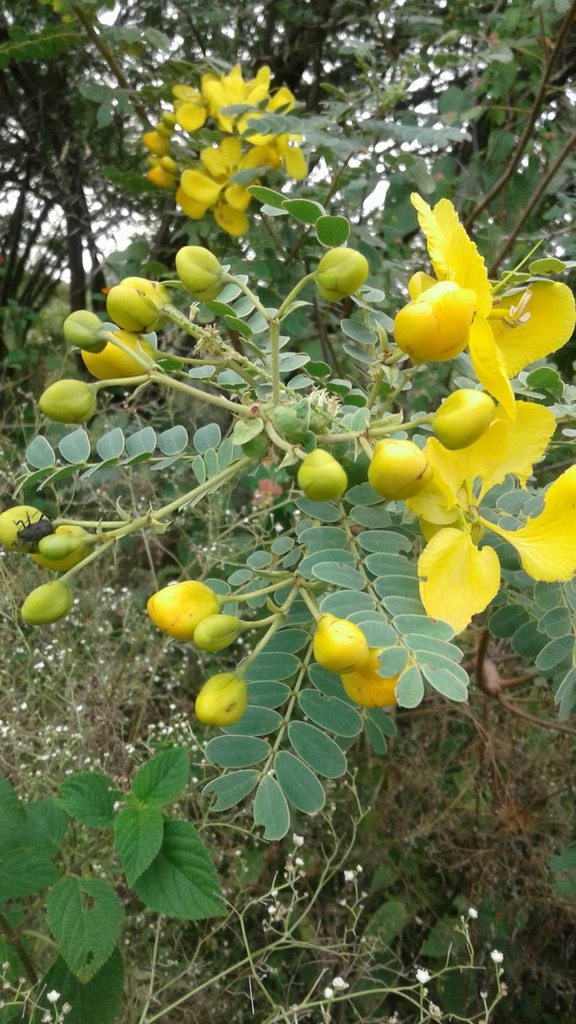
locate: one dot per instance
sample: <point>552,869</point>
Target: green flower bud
<point>85,330</point>
<point>48,603</point>
<point>135,303</point>
<point>222,700</point>
<point>216,632</point>
<point>399,469</point>
<point>68,401</point>
<point>200,272</point>
<point>321,477</point>
<point>341,272</point>
<point>63,549</point>
<point>462,418</point>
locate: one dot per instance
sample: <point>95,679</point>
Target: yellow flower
<point>190,107</point>
<point>221,91</point>
<point>457,580</point>
<point>507,332</point>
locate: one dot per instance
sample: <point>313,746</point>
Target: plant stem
<point>17,945</point>
<point>275,359</point>
<point>202,396</point>
<point>230,279</point>
<point>292,295</point>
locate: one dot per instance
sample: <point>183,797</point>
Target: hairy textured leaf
<point>163,779</point>
<point>89,797</point>
<point>84,916</point>
<point>181,881</point>
<point>138,833</point>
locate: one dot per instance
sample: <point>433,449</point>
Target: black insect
<point>32,531</point>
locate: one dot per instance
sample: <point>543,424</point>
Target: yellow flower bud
<point>366,687</point>
<point>68,401</point>
<point>114,362</point>
<point>161,178</point>
<point>63,549</point>
<point>399,469</point>
<point>435,326</point>
<point>216,632</point>
<point>84,329</point>
<point>179,608</point>
<point>164,130</point>
<point>15,527</point>
<point>48,603</point>
<point>222,700</point>
<point>156,143</point>
<point>169,165</point>
<point>321,477</point>
<point>168,120</point>
<point>200,272</point>
<point>341,272</point>
<point>135,304</point>
<point>462,418</point>
<point>339,645</point>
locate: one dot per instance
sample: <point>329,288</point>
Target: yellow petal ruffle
<point>552,316</point>
<point>456,579</point>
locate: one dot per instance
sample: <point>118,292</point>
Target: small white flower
<point>349,876</point>
<point>53,996</point>
<point>66,1008</point>
<point>434,1010</point>
<point>271,911</point>
<point>298,840</point>
<point>422,975</point>
<point>472,912</point>
<point>339,985</point>
<point>328,992</point>
<point>497,956</point>
<point>299,862</point>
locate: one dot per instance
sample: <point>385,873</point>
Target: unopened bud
<point>200,272</point>
<point>222,700</point>
<point>68,401</point>
<point>47,603</point>
<point>436,325</point>
<point>366,687</point>
<point>84,329</point>
<point>156,143</point>
<point>63,549</point>
<point>179,608</point>
<point>216,632</point>
<point>321,477</point>
<point>340,273</point>
<point>339,645</point>
<point>399,469</point>
<point>462,418</point>
<point>135,304</point>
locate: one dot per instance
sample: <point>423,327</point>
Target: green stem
<point>230,279</point>
<point>127,382</point>
<point>275,359</point>
<point>292,295</point>
<point>316,615</point>
<point>202,396</point>
<point>232,598</point>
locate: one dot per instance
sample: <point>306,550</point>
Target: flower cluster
<point>217,180</point>
<point>504,333</point>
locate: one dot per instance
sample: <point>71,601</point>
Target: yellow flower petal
<point>191,207</point>
<point>436,502</point>
<point>222,161</point>
<point>262,156</point>
<point>191,116</point>
<point>508,446</point>
<point>547,544</point>
<point>233,221</point>
<point>282,98</point>
<point>296,166</point>
<point>453,254</point>
<point>456,579</point>
<point>489,365</point>
<point>200,187</point>
<point>237,197</point>
<point>552,316</point>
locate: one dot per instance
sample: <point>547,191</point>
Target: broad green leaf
<point>96,1002</point>
<point>375,738</point>
<point>410,688</point>
<point>322,538</point>
<point>363,494</point>
<point>332,555</point>
<point>111,445</point>
<point>445,676</point>
<point>299,783</point>
<point>75,447</point>
<point>384,540</point>
<point>163,779</point>
<point>381,720</point>
<point>206,437</point>
<point>386,565</point>
<point>236,751</point>
<point>48,820</point>
<point>418,643</point>
<point>11,809</point>
<point>138,834</point>
<point>181,881</point>
<point>317,749</point>
<point>555,653</point>
<point>398,586</point>
<point>173,441</point>
<point>25,864</point>
<point>330,713</point>
<point>287,641</point>
<point>527,641</point>
<point>423,625</point>
<point>305,210</point>
<point>89,797</point>
<point>268,695</point>
<point>376,629</point>
<point>40,453</point>
<point>84,917</point>
<point>324,511</point>
<point>556,623</point>
<point>267,195</point>
<point>332,231</point>
<point>339,574</point>
<point>272,667</point>
<point>505,621</point>
<point>142,442</point>
<point>547,265</point>
<point>393,660</point>
<point>328,683</point>
<point>256,721</point>
<point>548,595</point>
<point>231,789</point>
<point>370,516</point>
<point>565,695</point>
<point>344,605</point>
<point>271,809</point>
<point>246,430</point>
